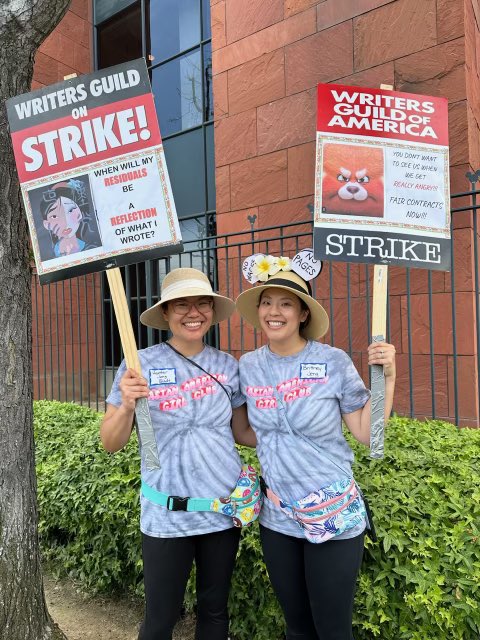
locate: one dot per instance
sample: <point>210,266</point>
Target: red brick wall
<point>66,354</point>
<point>68,49</point>
<point>268,56</point>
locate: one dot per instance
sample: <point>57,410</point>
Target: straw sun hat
<point>248,301</point>
<point>182,283</point>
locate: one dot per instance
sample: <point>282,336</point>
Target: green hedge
<point>421,581</point>
<point>88,500</point>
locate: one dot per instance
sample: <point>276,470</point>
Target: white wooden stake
<point>129,346</point>
<point>379,332</point>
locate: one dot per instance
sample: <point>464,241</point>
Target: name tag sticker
<point>313,370</point>
<point>162,376</point>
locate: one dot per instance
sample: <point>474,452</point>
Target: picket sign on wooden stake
<point>379,331</point>
<point>129,347</point>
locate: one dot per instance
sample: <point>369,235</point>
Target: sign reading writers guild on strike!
<point>92,171</point>
<point>382,182</point>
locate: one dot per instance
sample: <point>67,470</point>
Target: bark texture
<point>24,24</point>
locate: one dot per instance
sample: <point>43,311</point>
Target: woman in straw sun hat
<point>192,391</point>
<point>298,391</point>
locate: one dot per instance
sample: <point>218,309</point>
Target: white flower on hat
<point>284,263</point>
<point>265,266</point>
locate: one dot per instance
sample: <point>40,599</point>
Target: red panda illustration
<point>352,181</point>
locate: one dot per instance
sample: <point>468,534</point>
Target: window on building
<point>120,38</point>
<point>175,38</point>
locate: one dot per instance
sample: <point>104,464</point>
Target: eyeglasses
<point>182,306</point>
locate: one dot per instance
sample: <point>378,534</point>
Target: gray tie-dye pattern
<point>195,443</point>
<point>291,466</point>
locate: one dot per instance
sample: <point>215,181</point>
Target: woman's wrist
<point>127,409</point>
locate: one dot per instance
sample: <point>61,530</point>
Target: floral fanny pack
<point>242,505</point>
<point>325,513</point>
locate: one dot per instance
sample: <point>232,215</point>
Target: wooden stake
<point>379,320</point>
<point>124,321</point>
<point>129,346</point>
<point>380,279</point>
<point>379,332</point>
<point>379,308</point>
<point>120,305</point>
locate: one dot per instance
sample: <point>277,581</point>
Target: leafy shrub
<point>420,581</point>
<point>88,499</point>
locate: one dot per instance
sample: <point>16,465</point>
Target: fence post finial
<point>473,177</point>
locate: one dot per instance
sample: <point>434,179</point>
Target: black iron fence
<point>432,317</point>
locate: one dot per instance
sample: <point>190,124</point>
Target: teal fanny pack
<point>242,505</point>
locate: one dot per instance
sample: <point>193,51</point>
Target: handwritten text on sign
<point>382,184</point>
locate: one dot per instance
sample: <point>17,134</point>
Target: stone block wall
<point>268,56</point>
<point>68,49</point>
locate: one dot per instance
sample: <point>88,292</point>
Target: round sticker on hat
<point>306,265</point>
<point>247,268</point>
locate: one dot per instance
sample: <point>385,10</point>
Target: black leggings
<point>167,563</point>
<point>314,583</point>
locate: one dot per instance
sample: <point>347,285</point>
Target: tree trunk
<point>24,24</point>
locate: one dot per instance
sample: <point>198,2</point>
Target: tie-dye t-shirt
<point>317,386</point>
<point>191,416</point>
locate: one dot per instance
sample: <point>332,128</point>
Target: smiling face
<point>63,218</point>
<point>280,314</point>
<point>189,318</point>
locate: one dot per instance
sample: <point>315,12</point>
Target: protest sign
<point>92,171</point>
<point>95,186</point>
<point>382,178</point>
